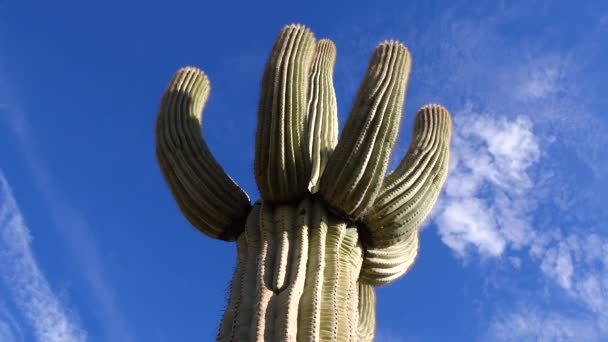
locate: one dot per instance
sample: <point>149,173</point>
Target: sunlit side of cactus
<point>330,224</point>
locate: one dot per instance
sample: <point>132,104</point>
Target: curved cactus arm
<point>385,264</point>
<point>367,313</point>
<point>354,172</point>
<point>282,169</point>
<point>322,130</point>
<point>409,193</point>
<point>206,195</point>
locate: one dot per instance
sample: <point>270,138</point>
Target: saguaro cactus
<point>329,225</point>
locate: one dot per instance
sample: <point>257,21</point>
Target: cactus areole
<point>330,224</point>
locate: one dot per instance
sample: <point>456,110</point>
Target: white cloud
<point>557,263</point>
<point>6,333</point>
<point>75,229</point>
<point>29,288</point>
<point>524,188</point>
<point>487,209</point>
<point>539,79</point>
<point>10,329</point>
<point>467,223</point>
<point>485,205</point>
<point>579,265</point>
<point>532,324</point>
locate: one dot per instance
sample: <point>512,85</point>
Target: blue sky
<point>92,246</point>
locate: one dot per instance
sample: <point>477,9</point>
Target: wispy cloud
<point>10,329</point>
<point>78,235</point>
<point>529,323</point>
<point>539,78</point>
<point>6,333</point>
<point>528,160</point>
<point>572,304</point>
<point>29,288</point>
<point>578,263</point>
<point>485,205</point>
<point>489,209</point>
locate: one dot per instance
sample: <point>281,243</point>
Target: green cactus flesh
<point>366,326</point>
<point>356,168</point>
<point>188,165</point>
<point>296,276</point>
<point>280,168</point>
<point>330,225</point>
<point>322,111</point>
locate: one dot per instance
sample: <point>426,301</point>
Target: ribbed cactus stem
<point>385,264</point>
<point>187,164</point>
<point>409,193</point>
<point>367,313</point>
<point>355,172</point>
<point>329,225</point>
<point>306,289</point>
<point>322,110</point>
<point>282,170</point>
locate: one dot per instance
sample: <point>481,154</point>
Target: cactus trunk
<point>296,276</point>
<point>330,225</point>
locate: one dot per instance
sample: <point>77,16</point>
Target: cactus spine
<point>330,225</point>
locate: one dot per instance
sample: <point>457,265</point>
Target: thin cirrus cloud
<point>529,323</point>
<point>75,229</point>
<point>6,333</point>
<point>29,288</point>
<point>10,329</point>
<point>528,157</point>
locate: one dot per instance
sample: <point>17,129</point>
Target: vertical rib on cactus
<point>385,264</point>
<point>354,172</point>
<point>409,193</point>
<point>187,164</point>
<point>281,169</point>
<point>367,313</point>
<point>318,300</point>
<point>302,273</point>
<point>322,110</point>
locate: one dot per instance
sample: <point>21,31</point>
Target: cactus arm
<point>355,170</point>
<point>409,193</point>
<point>367,313</point>
<point>206,195</point>
<point>302,271</point>
<point>385,264</point>
<point>281,168</point>
<point>322,110</point>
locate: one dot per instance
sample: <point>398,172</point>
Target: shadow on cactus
<point>330,225</point>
